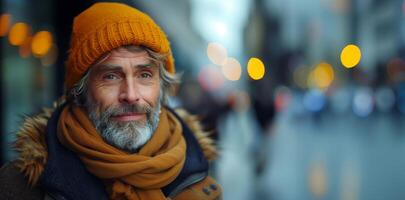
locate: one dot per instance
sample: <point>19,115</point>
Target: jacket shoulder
<point>14,185</point>
<point>31,147</point>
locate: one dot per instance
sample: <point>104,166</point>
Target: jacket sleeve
<point>13,185</point>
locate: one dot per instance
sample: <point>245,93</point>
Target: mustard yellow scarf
<point>136,176</point>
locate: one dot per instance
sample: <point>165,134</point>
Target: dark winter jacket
<point>45,169</point>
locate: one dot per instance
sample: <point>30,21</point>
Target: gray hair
<point>168,82</point>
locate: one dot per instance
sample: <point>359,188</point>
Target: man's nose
<point>129,93</point>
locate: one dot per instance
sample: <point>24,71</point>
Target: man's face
<point>123,98</point>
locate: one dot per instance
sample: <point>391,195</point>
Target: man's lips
<point>129,117</point>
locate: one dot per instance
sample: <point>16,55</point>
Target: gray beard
<point>127,136</point>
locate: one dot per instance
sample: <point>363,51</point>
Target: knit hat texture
<point>107,26</point>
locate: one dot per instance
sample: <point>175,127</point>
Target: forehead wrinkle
<point>144,66</point>
<point>108,66</point>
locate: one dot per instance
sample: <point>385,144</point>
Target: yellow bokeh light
<point>232,69</point>
<point>350,56</point>
<point>217,53</point>
<point>18,34</point>
<point>41,43</point>
<point>4,24</point>
<point>255,68</point>
<point>322,76</point>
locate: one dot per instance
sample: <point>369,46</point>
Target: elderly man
<point>113,137</point>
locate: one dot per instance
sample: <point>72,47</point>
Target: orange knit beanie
<point>106,26</point>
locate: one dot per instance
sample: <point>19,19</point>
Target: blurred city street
<point>334,156</point>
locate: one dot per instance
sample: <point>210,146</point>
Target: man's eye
<point>110,77</point>
<point>146,75</point>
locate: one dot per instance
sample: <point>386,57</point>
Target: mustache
<point>127,109</point>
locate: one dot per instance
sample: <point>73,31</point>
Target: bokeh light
<point>350,56</point>
<point>314,100</point>
<point>41,43</point>
<point>232,69</point>
<point>282,98</point>
<point>4,24</point>
<point>217,53</point>
<point>255,68</point>
<point>363,102</point>
<point>321,76</point>
<point>18,33</point>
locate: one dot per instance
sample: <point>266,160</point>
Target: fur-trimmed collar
<point>32,150</point>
